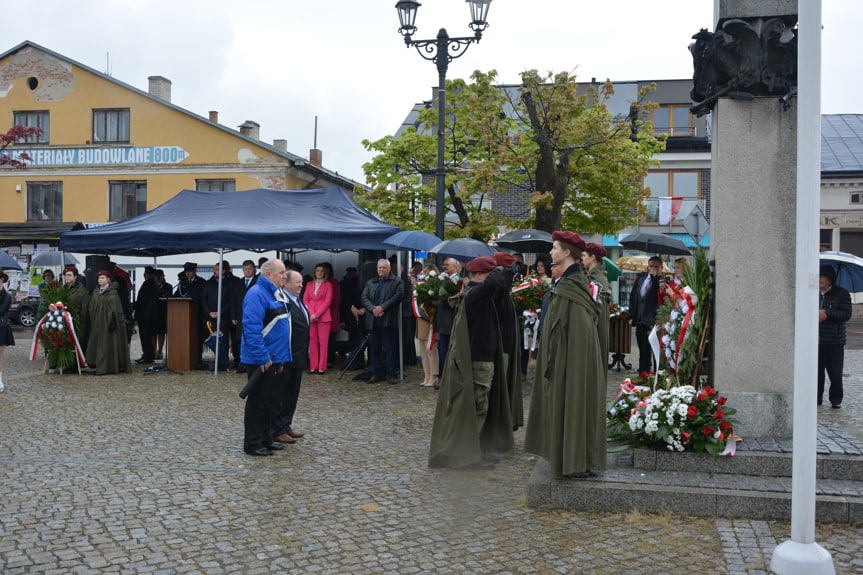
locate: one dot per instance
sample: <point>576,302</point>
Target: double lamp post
<point>442,50</point>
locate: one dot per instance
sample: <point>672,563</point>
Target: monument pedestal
<point>754,172</point>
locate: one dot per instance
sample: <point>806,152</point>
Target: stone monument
<point>745,72</point>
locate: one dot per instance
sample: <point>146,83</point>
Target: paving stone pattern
<point>145,474</point>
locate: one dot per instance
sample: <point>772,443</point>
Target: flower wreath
<point>675,330</point>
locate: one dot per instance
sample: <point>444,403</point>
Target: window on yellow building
<point>126,199</point>
<point>33,119</point>
<point>673,119</point>
<point>44,201</point>
<point>111,125</point>
<point>216,185</point>
<point>683,183</point>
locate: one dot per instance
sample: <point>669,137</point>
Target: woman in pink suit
<point>318,297</point>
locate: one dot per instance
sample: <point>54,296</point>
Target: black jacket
<point>483,321</point>
<point>391,295</point>
<point>642,310</point>
<point>837,303</point>
<point>299,338</point>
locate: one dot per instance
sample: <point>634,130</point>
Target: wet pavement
<point>145,474</point>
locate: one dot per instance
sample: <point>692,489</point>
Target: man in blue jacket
<point>266,347</point>
<point>833,311</point>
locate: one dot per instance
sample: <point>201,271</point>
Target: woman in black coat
<point>6,337</point>
<point>834,310</point>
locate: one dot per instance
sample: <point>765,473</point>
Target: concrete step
<point>704,486</point>
<point>762,463</point>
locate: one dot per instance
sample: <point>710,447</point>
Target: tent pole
<point>219,314</point>
<point>401,327</point>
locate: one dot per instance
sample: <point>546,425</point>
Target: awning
<point>690,243</point>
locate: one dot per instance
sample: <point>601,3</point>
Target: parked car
<point>24,312</point>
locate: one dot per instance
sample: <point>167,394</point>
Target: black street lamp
<point>442,50</point>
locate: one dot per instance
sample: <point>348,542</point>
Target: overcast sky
<point>283,62</point>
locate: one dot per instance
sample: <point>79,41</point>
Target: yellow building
<point>110,151</point>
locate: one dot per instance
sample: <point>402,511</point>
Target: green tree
<point>578,167</point>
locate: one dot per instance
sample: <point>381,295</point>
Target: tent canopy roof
<point>260,219</point>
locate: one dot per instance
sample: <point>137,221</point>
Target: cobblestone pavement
<point>145,474</point>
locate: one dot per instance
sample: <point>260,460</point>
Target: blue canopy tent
<point>260,219</point>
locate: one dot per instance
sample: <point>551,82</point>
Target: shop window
<point>34,119</point>
<point>126,199</point>
<point>216,185</point>
<point>674,120</point>
<point>681,184</point>
<point>111,126</point>
<point>44,201</point>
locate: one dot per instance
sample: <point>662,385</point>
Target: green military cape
<point>454,439</point>
<point>566,420</point>
<point>513,374</point>
<point>79,298</point>
<point>598,276</point>
<point>108,351</point>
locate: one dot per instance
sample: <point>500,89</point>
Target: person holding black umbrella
<point>643,305</point>
<point>834,310</point>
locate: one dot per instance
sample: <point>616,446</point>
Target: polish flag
<point>669,206</point>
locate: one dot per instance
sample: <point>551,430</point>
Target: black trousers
<point>257,418</point>
<point>146,331</point>
<point>283,410</point>
<point>645,354</point>
<point>831,359</point>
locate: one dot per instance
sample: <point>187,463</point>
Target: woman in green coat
<point>79,300</point>
<point>108,347</point>
<point>566,421</point>
<point>594,267</point>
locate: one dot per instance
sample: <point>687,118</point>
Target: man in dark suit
<point>191,285</point>
<point>146,314</point>
<point>250,277</point>
<point>283,411</point>
<point>643,304</point>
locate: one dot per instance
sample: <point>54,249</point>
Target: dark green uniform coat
<point>108,347</point>
<point>79,298</point>
<point>566,420</point>
<point>598,276</point>
<point>455,441</point>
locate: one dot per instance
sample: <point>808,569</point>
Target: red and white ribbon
<point>66,318</point>
<point>529,282</point>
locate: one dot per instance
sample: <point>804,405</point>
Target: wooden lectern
<point>183,340</point>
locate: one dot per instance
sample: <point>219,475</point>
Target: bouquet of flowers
<point>528,294</point>
<point>679,418</point>
<point>433,286</point>
<point>615,311</point>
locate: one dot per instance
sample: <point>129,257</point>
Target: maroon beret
<point>70,268</point>
<point>570,238</point>
<point>105,273</point>
<point>595,249</point>
<point>503,259</point>
<point>481,265</point>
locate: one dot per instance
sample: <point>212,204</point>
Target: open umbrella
<point>463,249</point>
<point>412,240</point>
<point>533,241</point>
<point>45,259</point>
<point>655,243</point>
<point>849,272</point>
<point>7,262</point>
<point>637,264</point>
